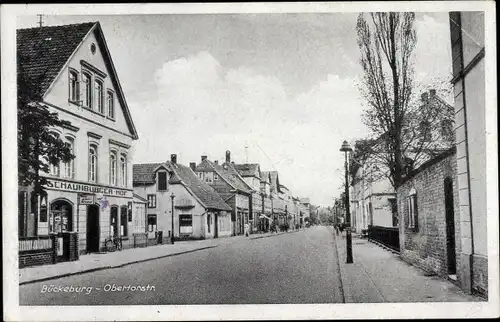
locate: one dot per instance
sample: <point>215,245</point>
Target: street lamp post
<point>346,149</point>
<point>172,196</point>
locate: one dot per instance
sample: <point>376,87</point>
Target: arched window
<point>74,88</point>
<point>123,170</point>
<point>87,83</point>
<point>112,168</point>
<point>99,95</point>
<point>93,158</point>
<point>60,216</point>
<point>69,167</point>
<point>111,104</point>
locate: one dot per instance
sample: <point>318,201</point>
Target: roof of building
<point>275,182</point>
<point>44,51</point>
<point>248,169</point>
<point>226,172</point>
<point>180,174</point>
<point>304,200</point>
<point>140,199</point>
<point>429,163</point>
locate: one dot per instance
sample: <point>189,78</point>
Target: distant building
<point>226,181</point>
<point>468,52</point>
<point>266,217</point>
<point>199,212</point>
<point>92,196</point>
<point>250,172</point>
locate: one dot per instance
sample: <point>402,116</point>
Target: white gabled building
<point>76,78</point>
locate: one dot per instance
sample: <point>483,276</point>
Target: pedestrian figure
<point>337,229</point>
<point>246,229</point>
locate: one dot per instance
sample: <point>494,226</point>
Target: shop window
<point>186,224</point>
<point>209,221</point>
<point>151,201</point>
<point>113,221</point>
<point>162,181</point>
<point>124,221</point>
<point>60,217</point>
<point>151,222</point>
<point>129,211</point>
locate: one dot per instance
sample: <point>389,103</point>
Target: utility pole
<point>40,20</point>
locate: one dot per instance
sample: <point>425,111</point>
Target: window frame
<point>110,93</point>
<point>158,180</point>
<point>70,140</point>
<point>76,91</point>
<point>113,169</point>
<point>88,89</point>
<point>123,169</point>
<point>124,223</point>
<point>151,202</point>
<point>155,226</point>
<point>95,147</point>
<point>412,210</point>
<point>99,96</point>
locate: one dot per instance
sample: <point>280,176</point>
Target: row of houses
<point>437,217</point>
<point>211,199</point>
<point>101,193</point>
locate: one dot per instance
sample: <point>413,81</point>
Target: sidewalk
<point>378,275</point>
<point>99,261</point>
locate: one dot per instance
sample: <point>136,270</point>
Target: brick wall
<point>34,259</point>
<point>426,247</point>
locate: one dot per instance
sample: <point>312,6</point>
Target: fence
<point>387,236</point>
<point>48,249</point>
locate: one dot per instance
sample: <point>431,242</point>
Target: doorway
<point>450,226</point>
<point>93,230</point>
<point>216,224</point>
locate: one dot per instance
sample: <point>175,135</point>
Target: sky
<point>275,89</point>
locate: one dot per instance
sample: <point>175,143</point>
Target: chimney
<point>192,165</point>
<point>432,93</point>
<point>216,161</point>
<point>228,156</point>
<point>173,158</point>
<point>203,158</point>
<point>424,97</point>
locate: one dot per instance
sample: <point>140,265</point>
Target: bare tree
<point>402,125</point>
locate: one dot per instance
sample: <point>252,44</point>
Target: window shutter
<point>415,205</point>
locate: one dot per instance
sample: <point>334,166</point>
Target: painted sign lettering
<point>86,188</point>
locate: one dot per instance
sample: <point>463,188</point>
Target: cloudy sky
<point>281,85</point>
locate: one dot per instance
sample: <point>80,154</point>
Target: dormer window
<point>162,181</point>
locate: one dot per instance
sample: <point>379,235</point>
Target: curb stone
<point>277,234</point>
<point>346,292</point>
<point>110,267</point>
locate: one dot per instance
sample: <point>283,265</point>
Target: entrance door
<point>450,226</point>
<point>92,228</point>
<point>216,224</point>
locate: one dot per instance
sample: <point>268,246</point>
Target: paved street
<point>297,267</point>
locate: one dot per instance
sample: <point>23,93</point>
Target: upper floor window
<point>151,201</point>
<point>123,170</point>
<point>99,95</point>
<point>111,104</point>
<point>87,84</point>
<point>93,163</point>
<point>74,87</point>
<point>112,168</point>
<point>162,181</point>
<point>54,169</point>
<point>412,209</point>
<point>216,177</point>
<point>69,167</point>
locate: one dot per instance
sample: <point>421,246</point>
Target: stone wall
<point>426,246</point>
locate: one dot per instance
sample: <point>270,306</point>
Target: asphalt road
<point>296,267</point>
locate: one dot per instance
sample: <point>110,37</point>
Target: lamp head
<point>346,147</point>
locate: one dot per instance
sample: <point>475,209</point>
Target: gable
<point>99,65</point>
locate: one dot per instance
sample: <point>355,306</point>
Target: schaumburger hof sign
<point>55,184</point>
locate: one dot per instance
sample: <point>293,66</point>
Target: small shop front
<point>94,212</point>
